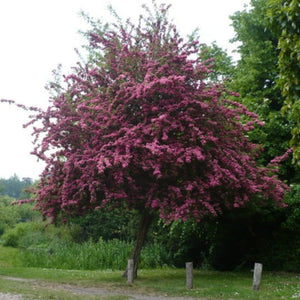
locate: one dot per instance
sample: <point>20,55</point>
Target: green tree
<point>256,79</point>
<point>284,19</point>
<point>10,214</point>
<point>253,231</point>
<point>223,67</point>
<point>15,187</point>
<point>7,214</point>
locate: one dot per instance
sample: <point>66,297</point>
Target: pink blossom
<point>143,128</point>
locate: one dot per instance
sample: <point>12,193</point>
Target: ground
<point>82,291</point>
<point>10,297</point>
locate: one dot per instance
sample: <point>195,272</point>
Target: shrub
<point>22,234</point>
<point>154,255</point>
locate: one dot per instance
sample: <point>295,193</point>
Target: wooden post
<point>189,275</point>
<point>130,271</point>
<point>257,276</point>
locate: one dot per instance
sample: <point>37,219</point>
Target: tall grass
<point>55,247</point>
<point>86,256</point>
<point>102,255</point>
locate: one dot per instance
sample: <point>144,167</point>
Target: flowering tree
<point>140,127</point>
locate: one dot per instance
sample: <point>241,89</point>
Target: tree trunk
<point>145,222</point>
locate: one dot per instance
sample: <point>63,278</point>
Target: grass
<point>166,281</point>
<point>9,257</point>
<point>85,256</point>
<point>31,292</point>
<point>54,247</point>
<point>111,254</point>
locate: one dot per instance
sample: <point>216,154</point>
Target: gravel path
<point>85,291</point>
<point>10,297</point>
<point>104,292</point>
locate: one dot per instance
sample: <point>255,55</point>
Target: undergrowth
<point>51,247</point>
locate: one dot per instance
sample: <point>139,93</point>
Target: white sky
<point>36,36</point>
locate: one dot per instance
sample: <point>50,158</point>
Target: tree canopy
<point>284,19</point>
<point>140,126</point>
<point>15,187</point>
<point>255,78</point>
<point>148,124</point>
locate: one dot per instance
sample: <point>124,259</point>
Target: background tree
<point>256,79</point>
<point>7,214</point>
<point>222,64</point>
<point>10,214</point>
<point>284,19</point>
<point>15,187</point>
<point>236,239</point>
<point>140,127</point>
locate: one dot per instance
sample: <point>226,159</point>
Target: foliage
<point>266,234</point>
<point>141,127</point>
<point>37,233</point>
<point>7,214</point>
<point>255,78</point>
<point>15,236</point>
<point>284,19</point>
<point>107,224</point>
<point>146,124</point>
<point>186,241</point>
<point>237,241</point>
<point>293,209</point>
<point>14,187</point>
<point>58,247</point>
<point>257,68</point>
<point>11,215</point>
<point>222,64</point>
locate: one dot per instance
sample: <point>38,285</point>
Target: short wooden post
<point>130,273</point>
<point>257,276</point>
<point>189,275</point>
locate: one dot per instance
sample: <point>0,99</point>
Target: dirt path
<point>10,297</point>
<point>85,291</point>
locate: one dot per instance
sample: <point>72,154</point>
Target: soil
<point>84,291</point>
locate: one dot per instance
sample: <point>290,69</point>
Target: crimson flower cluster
<point>140,126</point>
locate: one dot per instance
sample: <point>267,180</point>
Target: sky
<point>36,36</point>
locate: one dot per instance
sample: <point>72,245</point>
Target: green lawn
<point>45,283</point>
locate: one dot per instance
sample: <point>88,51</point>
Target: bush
<point>23,234</point>
<point>185,241</point>
<point>269,235</point>
<point>37,233</point>
<point>107,224</point>
<point>155,255</point>
<point>10,214</point>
